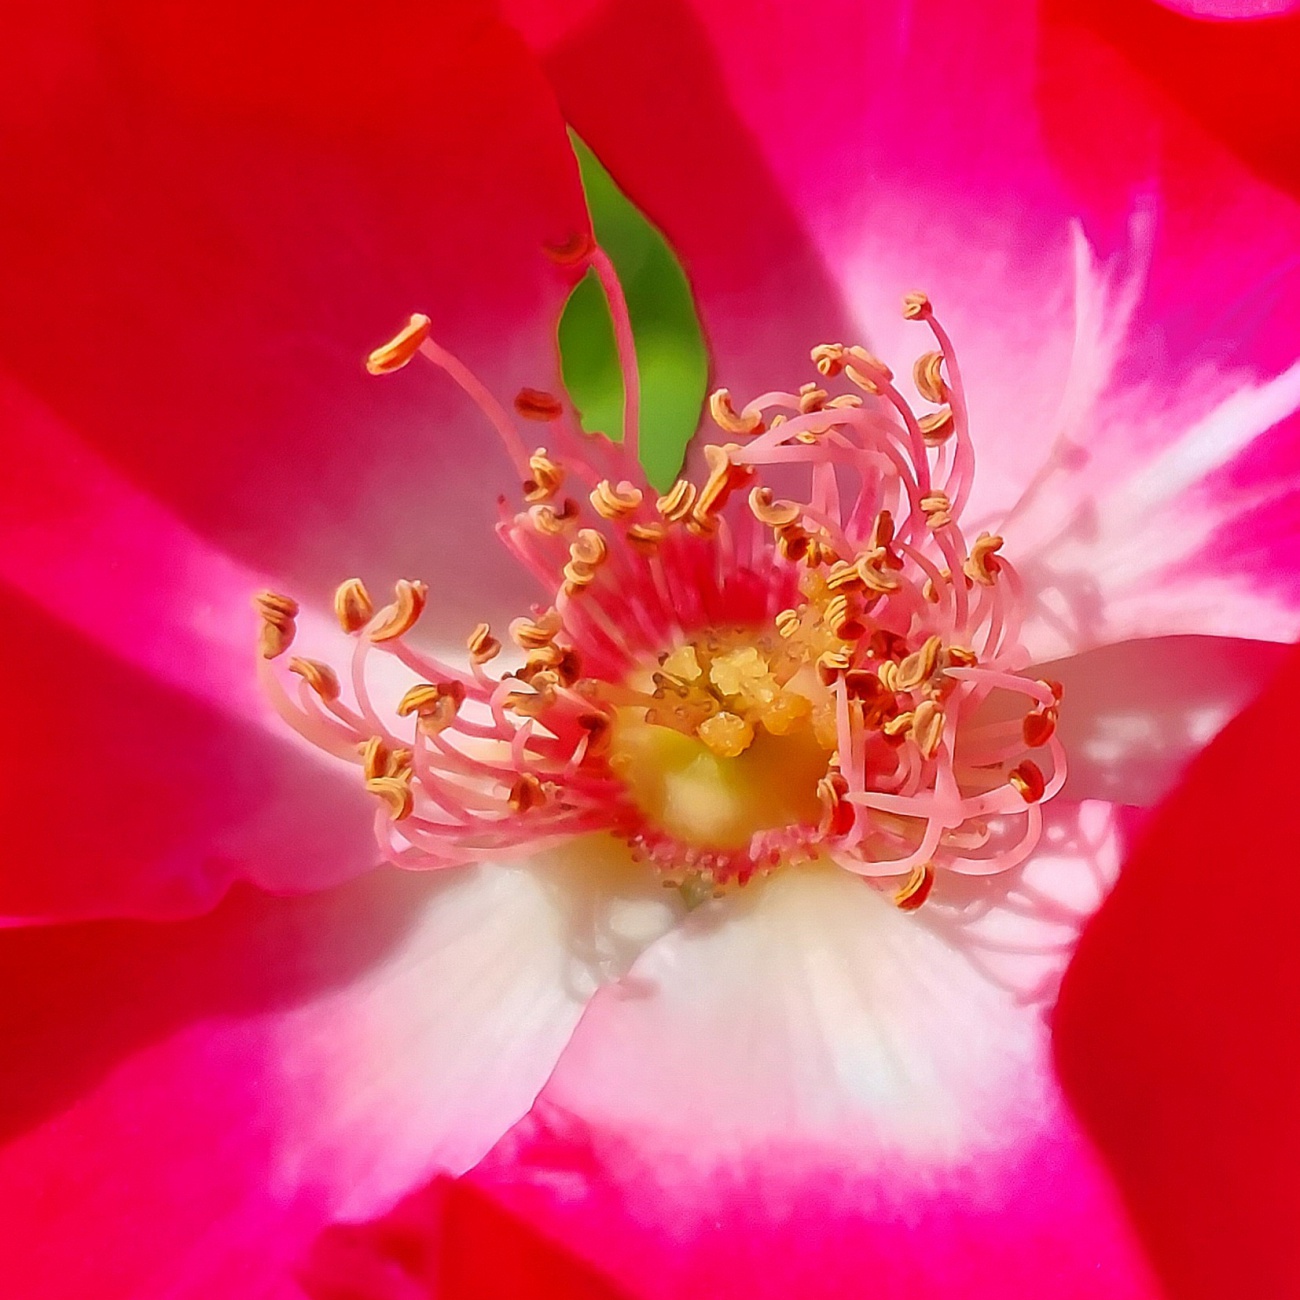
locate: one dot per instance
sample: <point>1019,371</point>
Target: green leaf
<point>671,357</point>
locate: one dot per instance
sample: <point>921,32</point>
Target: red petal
<point>1176,1030</point>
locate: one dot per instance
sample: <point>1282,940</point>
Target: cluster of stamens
<point>850,632</point>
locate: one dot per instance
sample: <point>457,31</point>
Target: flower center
<point>727,736</point>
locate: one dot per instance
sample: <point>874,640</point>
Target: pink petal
<point>134,636</point>
<point>1135,714</point>
<point>802,1088</point>
<point>185,1106</point>
<point>1176,1033</point>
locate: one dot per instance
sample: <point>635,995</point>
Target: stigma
<point>726,679</point>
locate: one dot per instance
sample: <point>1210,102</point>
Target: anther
<point>792,543</point>
<point>829,359</point>
<point>277,613</point>
<point>844,577</point>
<point>1027,777</point>
<point>788,622</point>
<point>482,645</point>
<point>927,374</point>
<point>374,757</point>
<point>937,509</point>
<point>982,565</point>
<point>724,477</point>
<point>613,502</point>
<point>646,537</point>
<point>1039,727</point>
<point>837,816</point>
<point>831,664</point>
<point>395,791</point>
<point>320,677</point>
<point>898,726</point>
<point>866,370</point>
<point>400,349</point>
<point>546,519</point>
<point>916,306</point>
<point>927,727</point>
<point>526,794</point>
<point>531,634</point>
<point>916,889</point>
<point>811,398</point>
<point>841,621</point>
<point>675,505</point>
<point>775,514</point>
<point>727,418</point>
<point>352,605</point>
<point>535,404</point>
<point>435,704</point>
<point>875,577</point>
<point>589,548</point>
<point>960,656</point>
<point>547,476</point>
<point>917,668</point>
<point>936,426</point>
<point>409,598</point>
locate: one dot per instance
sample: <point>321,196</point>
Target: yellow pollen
<point>352,605</point>
<point>408,605</point>
<point>400,349</point>
<point>726,734</point>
